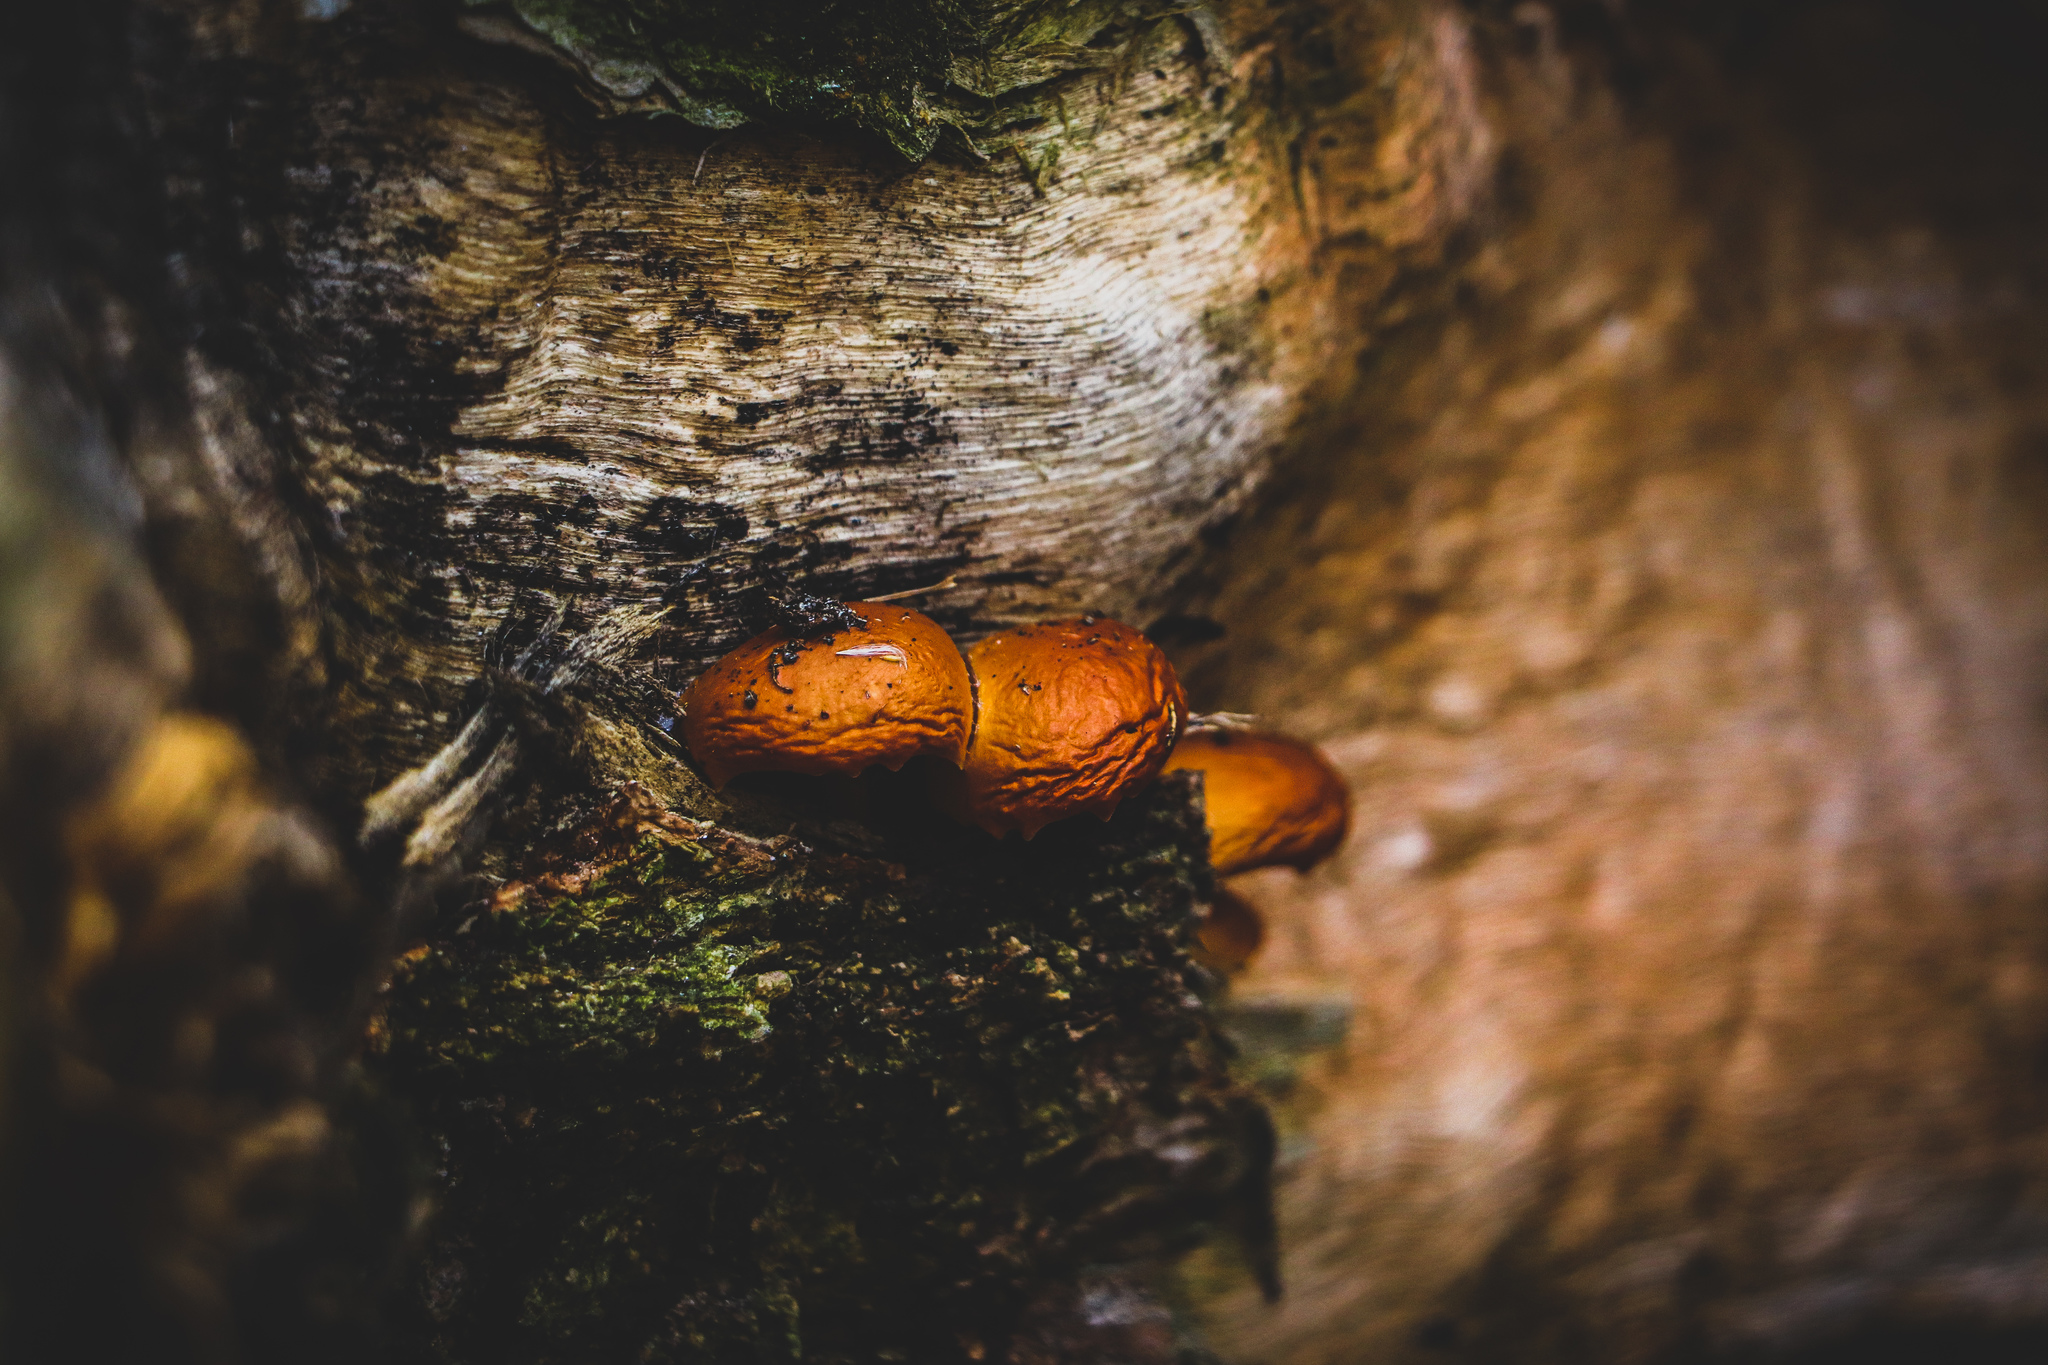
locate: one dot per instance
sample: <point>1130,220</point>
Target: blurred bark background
<point>1615,431</point>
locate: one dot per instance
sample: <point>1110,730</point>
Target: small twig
<point>1224,720</point>
<point>949,581</point>
<point>700,158</point>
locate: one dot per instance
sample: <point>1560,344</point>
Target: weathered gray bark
<point>522,355</point>
<point>1613,431</point>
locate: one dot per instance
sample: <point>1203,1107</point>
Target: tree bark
<point>1610,430</point>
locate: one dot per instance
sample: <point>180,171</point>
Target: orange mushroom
<point>834,704</point>
<point>1072,716</point>
<point>1229,934</point>
<point>1272,801</point>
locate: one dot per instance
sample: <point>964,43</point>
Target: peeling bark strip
<point>703,1098</point>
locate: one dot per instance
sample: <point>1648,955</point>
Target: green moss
<point>903,69</point>
<point>706,1098</point>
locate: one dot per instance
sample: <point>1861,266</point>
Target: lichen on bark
<point>902,69</point>
<point>703,1097</point>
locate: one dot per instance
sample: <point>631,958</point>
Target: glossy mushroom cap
<point>835,704</point>
<point>1229,934</point>
<point>1072,716</point>
<point>1272,801</point>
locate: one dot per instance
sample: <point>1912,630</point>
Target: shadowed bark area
<point>701,1097</point>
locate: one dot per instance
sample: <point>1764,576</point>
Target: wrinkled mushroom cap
<point>835,704</point>
<point>1073,716</point>
<point>1272,801</point>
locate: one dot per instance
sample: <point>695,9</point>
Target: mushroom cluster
<point>1271,801</point>
<point>1033,725</point>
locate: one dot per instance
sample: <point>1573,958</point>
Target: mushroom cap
<point>1072,716</point>
<point>1229,934</point>
<point>1271,800</point>
<point>834,704</point>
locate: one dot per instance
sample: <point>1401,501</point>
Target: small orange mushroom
<point>1272,801</point>
<point>1229,934</point>
<point>1072,716</point>
<point>835,704</point>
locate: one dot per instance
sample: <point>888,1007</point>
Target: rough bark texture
<point>1615,431</point>
<point>700,1097</point>
<point>522,356</point>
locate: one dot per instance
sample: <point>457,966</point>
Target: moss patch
<point>903,69</point>
<point>703,1097</point>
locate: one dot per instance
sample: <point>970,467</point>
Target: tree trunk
<point>1609,430</point>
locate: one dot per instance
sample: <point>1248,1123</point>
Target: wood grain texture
<point>605,363</point>
<point>493,354</point>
